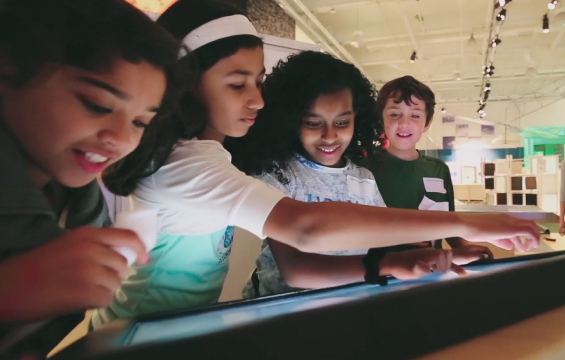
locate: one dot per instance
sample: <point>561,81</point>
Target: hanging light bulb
<point>502,3</point>
<point>552,4</point>
<point>545,24</point>
<point>472,41</point>
<point>356,39</point>
<point>413,57</point>
<point>357,36</point>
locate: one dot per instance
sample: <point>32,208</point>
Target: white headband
<point>218,29</point>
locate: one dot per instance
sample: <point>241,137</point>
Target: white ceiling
<point>439,30</point>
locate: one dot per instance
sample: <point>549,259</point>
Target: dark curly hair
<point>191,117</point>
<point>289,92</point>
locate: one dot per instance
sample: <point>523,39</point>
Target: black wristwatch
<point>371,262</point>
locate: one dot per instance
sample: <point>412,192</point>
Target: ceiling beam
<point>345,5</point>
<point>345,55</point>
<point>305,26</point>
<point>449,35</point>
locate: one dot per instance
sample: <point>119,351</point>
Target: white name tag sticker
<point>434,185</point>
<point>361,187</point>
<point>429,204</point>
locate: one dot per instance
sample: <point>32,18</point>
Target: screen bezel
<point>103,341</point>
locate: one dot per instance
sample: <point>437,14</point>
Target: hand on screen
<point>469,253</point>
<point>76,271</point>
<point>561,228</point>
<point>412,264</point>
<point>505,231</point>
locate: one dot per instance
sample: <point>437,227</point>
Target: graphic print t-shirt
<point>307,181</point>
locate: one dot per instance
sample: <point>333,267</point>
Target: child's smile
<point>328,149</point>
<point>82,120</point>
<point>403,135</point>
<point>327,128</point>
<point>92,162</point>
<point>404,125</point>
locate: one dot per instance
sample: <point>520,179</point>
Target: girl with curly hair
<point>317,124</point>
<point>200,195</point>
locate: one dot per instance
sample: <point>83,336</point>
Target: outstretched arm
<point>313,227</point>
<point>314,271</point>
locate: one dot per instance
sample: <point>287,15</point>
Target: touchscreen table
<point>400,320</point>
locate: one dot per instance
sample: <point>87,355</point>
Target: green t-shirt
<point>424,183</point>
<point>407,184</point>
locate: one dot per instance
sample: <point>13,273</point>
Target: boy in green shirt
<point>406,178</point>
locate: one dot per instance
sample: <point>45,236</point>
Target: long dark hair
<point>89,34</point>
<point>190,120</point>
<point>289,92</point>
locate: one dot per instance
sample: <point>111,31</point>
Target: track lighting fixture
<point>488,71</point>
<point>495,42</point>
<point>552,4</point>
<point>545,24</point>
<point>487,86</point>
<point>501,15</point>
<point>502,3</point>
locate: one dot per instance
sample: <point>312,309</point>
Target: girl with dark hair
<point>327,126</point>
<point>200,195</point>
<point>80,85</point>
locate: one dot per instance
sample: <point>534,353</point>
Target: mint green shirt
<point>183,271</point>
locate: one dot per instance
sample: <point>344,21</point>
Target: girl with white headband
<point>200,195</point>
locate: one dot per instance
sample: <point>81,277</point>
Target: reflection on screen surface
<point>192,325</point>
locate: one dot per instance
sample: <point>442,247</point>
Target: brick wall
<point>270,19</point>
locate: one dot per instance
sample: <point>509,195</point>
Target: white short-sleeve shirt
<point>198,191</point>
